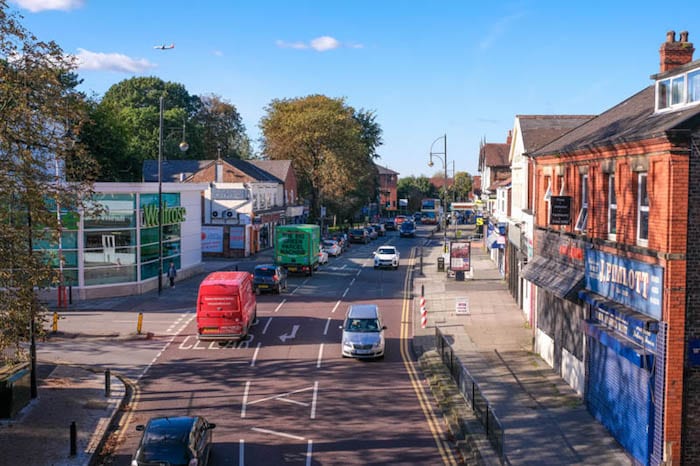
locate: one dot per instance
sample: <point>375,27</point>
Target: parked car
<point>341,239</point>
<point>417,217</point>
<point>331,247</point>
<point>175,441</point>
<point>358,235</point>
<point>389,225</point>
<point>379,228</point>
<point>372,233</point>
<point>399,219</point>
<point>407,229</point>
<point>322,256</point>
<point>269,277</point>
<point>363,332</point>
<point>386,256</point>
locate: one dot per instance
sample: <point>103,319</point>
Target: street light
<point>443,157</point>
<point>183,147</point>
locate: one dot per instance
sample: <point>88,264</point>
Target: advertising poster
<point>212,239</point>
<point>460,253</point>
<point>237,238</point>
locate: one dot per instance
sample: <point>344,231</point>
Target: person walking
<point>172,273</point>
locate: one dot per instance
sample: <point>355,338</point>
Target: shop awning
<point>554,276</point>
<point>495,241</point>
<point>617,309</point>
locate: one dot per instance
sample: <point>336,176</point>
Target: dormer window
<point>678,91</point>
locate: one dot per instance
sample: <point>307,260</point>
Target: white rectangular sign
<point>462,306</point>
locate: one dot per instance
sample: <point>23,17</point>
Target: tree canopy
<point>124,131</point>
<point>332,148</point>
<point>415,189</point>
<point>43,166</point>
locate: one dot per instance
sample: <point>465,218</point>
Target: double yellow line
<point>406,319</point>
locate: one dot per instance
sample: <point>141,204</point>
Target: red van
<point>226,307</point>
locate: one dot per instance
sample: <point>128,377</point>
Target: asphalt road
<point>286,396</point>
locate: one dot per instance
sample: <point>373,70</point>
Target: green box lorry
<point>297,247</point>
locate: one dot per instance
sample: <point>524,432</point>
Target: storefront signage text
<point>149,215</point>
<point>622,324</point>
<point>625,281</point>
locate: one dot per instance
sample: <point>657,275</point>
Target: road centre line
<point>352,282</point>
<point>245,399</point>
<point>328,323</point>
<point>273,432</point>
<point>280,304</point>
<point>308,453</point>
<point>320,352</point>
<point>255,355</point>
<point>267,325</point>
<point>241,456</point>
<point>336,306</point>
<point>313,400</point>
<point>346,292</point>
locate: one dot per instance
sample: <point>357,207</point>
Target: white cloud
<point>291,45</point>
<point>320,44</point>
<point>118,62</point>
<point>36,6</point>
<point>498,29</point>
<point>218,53</point>
<point>323,43</point>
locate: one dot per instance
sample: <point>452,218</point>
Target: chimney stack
<point>675,54</point>
<point>509,139</point>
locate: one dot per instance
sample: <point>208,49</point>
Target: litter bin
<point>441,264</point>
<point>459,275</point>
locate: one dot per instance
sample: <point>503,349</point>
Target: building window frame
<point>612,208</point>
<point>548,197</point>
<point>582,219</point>
<point>642,209</point>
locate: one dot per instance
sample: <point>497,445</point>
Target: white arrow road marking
<point>288,336</point>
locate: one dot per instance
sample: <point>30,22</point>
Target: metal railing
<point>472,394</point>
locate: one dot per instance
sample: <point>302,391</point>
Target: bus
<point>431,211</point>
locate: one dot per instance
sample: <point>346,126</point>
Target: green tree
<point>223,129</point>
<point>42,117</point>
<point>462,186</point>
<point>331,148</point>
<point>415,189</point>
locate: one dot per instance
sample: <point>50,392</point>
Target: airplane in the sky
<point>164,47</point>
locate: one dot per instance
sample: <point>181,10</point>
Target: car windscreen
<point>362,325</point>
<point>329,243</point>
<point>386,251</point>
<point>358,232</point>
<point>407,226</point>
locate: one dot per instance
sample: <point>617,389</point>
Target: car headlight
<point>377,344</point>
<point>347,344</point>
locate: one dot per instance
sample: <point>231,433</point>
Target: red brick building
<point>388,180</point>
<point>617,262</point>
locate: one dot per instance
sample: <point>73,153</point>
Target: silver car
<point>363,332</point>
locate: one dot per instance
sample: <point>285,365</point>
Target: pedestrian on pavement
<point>172,273</point>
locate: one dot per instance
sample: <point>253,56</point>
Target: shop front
<point>114,247</point>
<point>625,357</point>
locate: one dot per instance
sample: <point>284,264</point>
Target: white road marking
<point>280,304</point>
<point>325,330</point>
<point>273,432</point>
<point>267,325</point>
<point>290,336</point>
<point>320,352</point>
<point>313,401</point>
<point>336,306</point>
<point>245,399</point>
<point>308,453</point>
<point>255,355</point>
<point>282,396</point>
<point>352,282</point>
<point>346,291</point>
<point>170,340</point>
<point>241,456</point>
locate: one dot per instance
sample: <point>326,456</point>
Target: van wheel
<point>255,316</point>
<point>257,292</point>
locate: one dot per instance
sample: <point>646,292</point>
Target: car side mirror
<point>211,426</point>
<point>374,253</point>
<point>383,327</point>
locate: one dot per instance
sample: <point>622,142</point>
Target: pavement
<point>545,422</point>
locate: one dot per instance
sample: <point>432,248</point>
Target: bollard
<point>422,290</point>
<point>139,323</point>
<point>108,382</point>
<point>54,327</point>
<point>70,294</point>
<point>73,439</point>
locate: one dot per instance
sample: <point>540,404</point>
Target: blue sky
<point>426,68</point>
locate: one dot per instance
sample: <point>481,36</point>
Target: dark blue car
<point>175,441</point>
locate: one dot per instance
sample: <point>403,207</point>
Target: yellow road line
<point>443,447</point>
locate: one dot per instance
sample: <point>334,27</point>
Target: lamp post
<point>183,147</point>
<point>443,157</point>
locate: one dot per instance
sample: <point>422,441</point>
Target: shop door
<point>618,395</point>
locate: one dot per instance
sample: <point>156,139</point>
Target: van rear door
<point>219,314</point>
